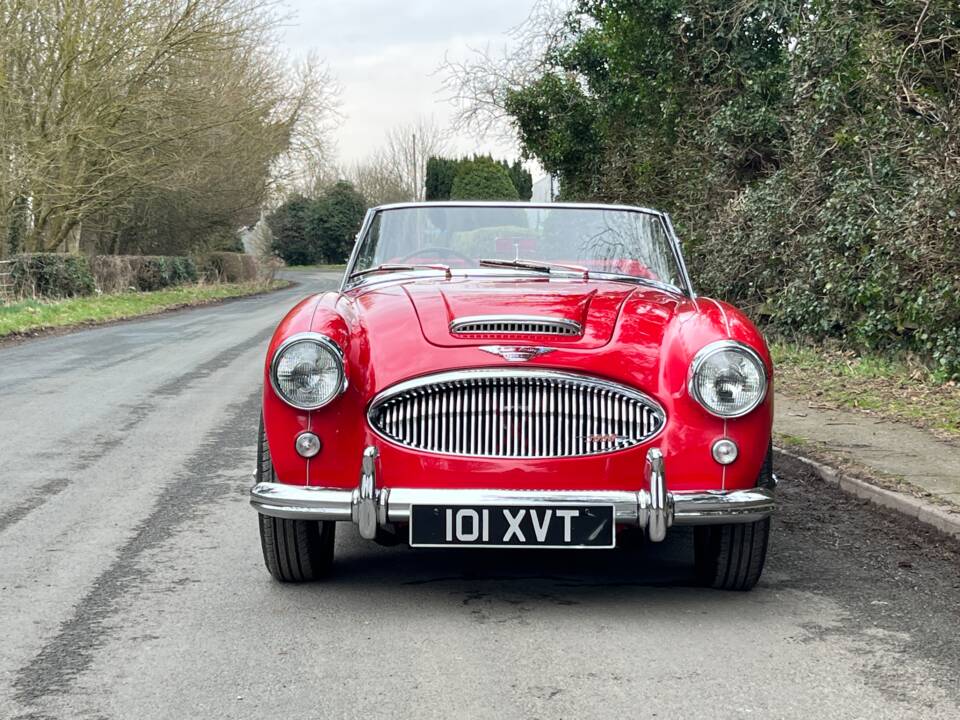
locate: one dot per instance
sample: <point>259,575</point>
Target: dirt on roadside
<point>896,578</point>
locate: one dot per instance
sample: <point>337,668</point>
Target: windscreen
<point>623,242</point>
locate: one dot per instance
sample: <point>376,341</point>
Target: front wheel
<point>293,550</point>
<point>297,550</point>
<point>731,557</point>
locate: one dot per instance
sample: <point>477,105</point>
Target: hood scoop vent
<point>515,325</point>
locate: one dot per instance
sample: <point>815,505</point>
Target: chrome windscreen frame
<point>346,283</point>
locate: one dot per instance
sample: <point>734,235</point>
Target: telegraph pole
<point>416,188</point>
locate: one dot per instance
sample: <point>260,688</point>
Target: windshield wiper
<point>546,267</point>
<point>625,277</point>
<point>394,267</point>
<point>536,265</point>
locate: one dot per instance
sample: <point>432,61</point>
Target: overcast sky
<point>385,56</point>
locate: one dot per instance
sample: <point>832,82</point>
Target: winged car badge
<point>517,353</point>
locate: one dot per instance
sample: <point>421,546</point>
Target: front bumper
<point>651,508</point>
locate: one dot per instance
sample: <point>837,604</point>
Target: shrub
<point>230,267</point>
<point>334,220</point>
<point>54,275</point>
<point>442,172</point>
<point>118,273</point>
<point>183,270</point>
<point>151,273</point>
<point>483,179</point>
<point>291,242</point>
<point>113,273</point>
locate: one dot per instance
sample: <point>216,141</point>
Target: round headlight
<point>728,379</point>
<point>307,371</point>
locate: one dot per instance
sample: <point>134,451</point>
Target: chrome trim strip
<point>364,227</point>
<point>518,387</point>
<point>367,281</point>
<point>516,353</point>
<point>563,326</point>
<point>715,347</point>
<point>321,340</point>
<point>678,252</point>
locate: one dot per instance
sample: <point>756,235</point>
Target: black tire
<point>767,478</point>
<point>731,557</point>
<point>293,550</point>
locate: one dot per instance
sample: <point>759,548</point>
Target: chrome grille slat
<point>531,413</point>
<point>515,325</point>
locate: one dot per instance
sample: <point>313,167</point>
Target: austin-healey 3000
<point>513,375</point>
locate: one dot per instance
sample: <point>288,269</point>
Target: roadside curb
<point>927,513</point>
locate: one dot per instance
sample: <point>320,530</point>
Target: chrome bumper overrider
<point>652,507</point>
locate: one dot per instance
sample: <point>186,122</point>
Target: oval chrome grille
<point>514,325</point>
<point>506,413</point>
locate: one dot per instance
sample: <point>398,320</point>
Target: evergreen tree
<point>334,220</point>
<point>288,223</point>
<point>482,179</point>
<point>439,178</point>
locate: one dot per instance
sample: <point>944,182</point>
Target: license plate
<point>545,526</point>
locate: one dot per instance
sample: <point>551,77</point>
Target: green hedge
<point>872,269</point>
<point>808,152</point>
<point>229,267</point>
<point>119,273</point>
<point>60,275</point>
<point>153,272</point>
<point>52,275</point>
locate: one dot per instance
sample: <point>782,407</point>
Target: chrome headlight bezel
<point>328,346</point>
<point>712,349</point>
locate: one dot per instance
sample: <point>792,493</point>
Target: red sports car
<point>516,375</point>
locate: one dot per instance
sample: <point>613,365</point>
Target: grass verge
<point>27,316</point>
<point>883,387</point>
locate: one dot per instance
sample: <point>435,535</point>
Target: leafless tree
<point>377,180</point>
<point>106,105</point>
<point>478,85</point>
<point>406,151</point>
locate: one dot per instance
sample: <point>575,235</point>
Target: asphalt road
<point>132,584</point>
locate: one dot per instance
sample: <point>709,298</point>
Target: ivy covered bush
<point>156,272</point>
<point>856,235</point>
<point>146,273</point>
<point>52,275</point>
<point>809,153</point>
<point>63,275</point>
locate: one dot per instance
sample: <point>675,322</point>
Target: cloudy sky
<point>385,55</point>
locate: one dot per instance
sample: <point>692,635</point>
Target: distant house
<point>546,189</point>
<point>256,238</point>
